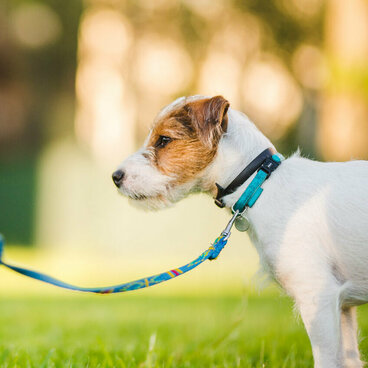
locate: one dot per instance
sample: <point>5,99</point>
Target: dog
<point>309,226</point>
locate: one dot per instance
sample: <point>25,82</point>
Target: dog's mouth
<point>151,202</point>
<point>146,199</point>
<point>133,195</point>
<point>139,197</point>
<point>143,199</point>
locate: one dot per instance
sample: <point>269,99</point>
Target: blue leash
<point>211,253</point>
<point>247,199</point>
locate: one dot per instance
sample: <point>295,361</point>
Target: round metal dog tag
<point>242,223</point>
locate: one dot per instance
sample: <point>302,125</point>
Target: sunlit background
<point>80,83</point>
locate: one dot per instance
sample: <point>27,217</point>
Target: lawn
<point>154,331</point>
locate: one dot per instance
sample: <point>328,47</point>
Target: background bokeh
<point>81,81</point>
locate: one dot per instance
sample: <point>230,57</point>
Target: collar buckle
<point>268,166</point>
<point>218,199</point>
<point>219,203</point>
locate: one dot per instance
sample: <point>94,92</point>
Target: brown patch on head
<point>194,129</point>
<point>209,118</point>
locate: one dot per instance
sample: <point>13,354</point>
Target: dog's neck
<point>237,148</point>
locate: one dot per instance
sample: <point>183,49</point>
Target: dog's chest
<point>265,253</point>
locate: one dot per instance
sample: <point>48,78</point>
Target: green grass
<point>151,331</point>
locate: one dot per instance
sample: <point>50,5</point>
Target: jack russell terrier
<point>310,225</point>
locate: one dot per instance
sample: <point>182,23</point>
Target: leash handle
<point>211,253</point>
<point>2,241</point>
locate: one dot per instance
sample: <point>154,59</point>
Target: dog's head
<point>182,143</point>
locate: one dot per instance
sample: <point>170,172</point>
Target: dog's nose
<point>118,177</point>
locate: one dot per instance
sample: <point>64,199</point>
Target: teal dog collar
<point>254,189</point>
<point>243,176</point>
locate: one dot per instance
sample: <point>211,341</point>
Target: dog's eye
<point>162,141</point>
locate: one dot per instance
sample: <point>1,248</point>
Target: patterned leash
<point>211,253</point>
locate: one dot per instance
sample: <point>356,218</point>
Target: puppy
<point>310,225</point>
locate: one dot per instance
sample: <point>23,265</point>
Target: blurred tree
<point>38,43</point>
<point>343,132</point>
<point>101,69</point>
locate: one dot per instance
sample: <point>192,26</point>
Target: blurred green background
<point>80,83</point>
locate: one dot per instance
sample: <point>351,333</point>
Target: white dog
<point>310,225</point>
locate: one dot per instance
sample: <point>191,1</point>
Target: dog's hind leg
<point>349,337</point>
<point>351,294</point>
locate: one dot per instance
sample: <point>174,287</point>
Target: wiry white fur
<point>310,228</point>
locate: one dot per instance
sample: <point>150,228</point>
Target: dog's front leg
<point>322,321</point>
<point>317,296</point>
<point>321,316</point>
<point>332,330</point>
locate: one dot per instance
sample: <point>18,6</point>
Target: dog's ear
<point>209,118</point>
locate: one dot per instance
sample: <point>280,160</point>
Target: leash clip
<point>241,220</point>
<point>227,231</point>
